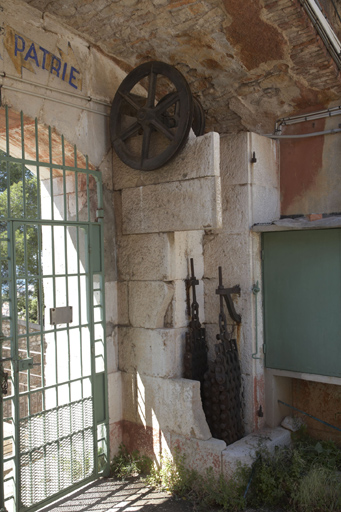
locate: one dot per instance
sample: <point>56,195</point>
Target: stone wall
<point>250,194</point>
<point>161,217</point>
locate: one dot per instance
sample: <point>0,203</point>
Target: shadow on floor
<point>109,495</point>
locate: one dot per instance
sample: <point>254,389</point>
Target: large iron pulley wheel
<point>151,116</point>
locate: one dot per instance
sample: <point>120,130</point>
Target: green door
<point>302,301</point>
<point>52,345</point>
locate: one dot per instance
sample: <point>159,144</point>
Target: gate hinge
<point>264,348</point>
<point>100,213</point>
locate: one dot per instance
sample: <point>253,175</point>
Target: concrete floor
<point>109,495</point>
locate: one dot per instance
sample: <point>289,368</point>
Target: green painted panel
<point>302,301</point>
<point>99,398</point>
<point>95,244</point>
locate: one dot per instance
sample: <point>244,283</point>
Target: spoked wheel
<point>198,123</point>
<point>147,132</point>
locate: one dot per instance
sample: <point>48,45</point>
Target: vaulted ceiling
<point>249,62</point>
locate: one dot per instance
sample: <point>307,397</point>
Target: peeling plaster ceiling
<point>249,62</point>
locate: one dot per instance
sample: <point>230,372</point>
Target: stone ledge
<point>244,450</point>
<point>199,158</point>
<point>297,224</point>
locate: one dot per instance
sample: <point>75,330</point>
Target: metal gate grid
<point>52,322</point>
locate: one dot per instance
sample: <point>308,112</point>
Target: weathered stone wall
<point>250,194</point>
<point>161,217</point>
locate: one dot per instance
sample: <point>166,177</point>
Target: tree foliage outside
<point>18,186</point>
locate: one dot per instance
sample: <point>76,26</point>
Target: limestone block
<point>236,208</point>
<point>122,303</point>
<point>145,257</point>
<point>154,352</point>
<point>232,252</point>
<point>129,394</point>
<point>112,351</point>
<point>93,136</point>
<point>265,171</point>
<point>244,450</point>
<point>211,300</point>
<point>117,203</point>
<point>159,256</point>
<point>115,397</point>
<point>111,310</point>
<point>110,76</point>
<point>115,437</point>
<point>109,235</point>
<point>265,204</point>
<point>187,245</point>
<point>166,405</point>
<point>177,206</point>
<point>200,455</point>
<point>106,169</point>
<point>183,414</point>
<point>199,158</point>
<point>65,119</point>
<point>148,303</point>
<point>234,159</point>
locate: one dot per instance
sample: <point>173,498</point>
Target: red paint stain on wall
<point>300,164</point>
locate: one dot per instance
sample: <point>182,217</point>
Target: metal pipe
<point>48,87</point>
<point>303,135</point>
<point>310,415</point>
<point>22,91</point>
<point>301,118</point>
<point>324,29</point>
<point>255,291</point>
<point>324,25</point>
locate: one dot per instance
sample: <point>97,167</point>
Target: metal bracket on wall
<point>226,293</point>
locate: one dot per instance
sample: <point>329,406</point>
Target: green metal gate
<point>53,412</point>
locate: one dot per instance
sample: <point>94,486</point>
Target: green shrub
<point>319,491</point>
<point>207,490</point>
<point>305,477</point>
<point>126,464</point>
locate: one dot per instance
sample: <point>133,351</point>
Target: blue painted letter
<point>57,67</point>
<point>45,52</point>
<point>73,76</point>
<point>32,54</point>
<point>16,48</point>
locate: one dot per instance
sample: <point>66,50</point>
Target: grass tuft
<point>305,477</point>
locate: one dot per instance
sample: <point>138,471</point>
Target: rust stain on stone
<point>256,40</point>
<point>311,99</point>
<point>211,64</point>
